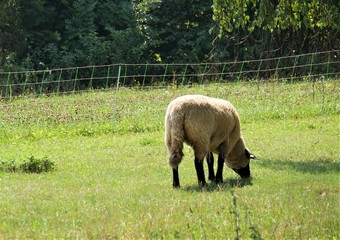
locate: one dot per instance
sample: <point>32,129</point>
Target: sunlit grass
<point>111,179</point>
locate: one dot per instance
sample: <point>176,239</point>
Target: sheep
<point>207,125</point>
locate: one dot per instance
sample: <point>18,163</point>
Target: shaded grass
<point>320,166</point>
<point>117,185</point>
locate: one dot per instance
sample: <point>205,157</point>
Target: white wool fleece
<point>208,125</point>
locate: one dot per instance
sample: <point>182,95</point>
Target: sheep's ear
<point>250,155</point>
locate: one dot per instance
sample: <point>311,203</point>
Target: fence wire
<point>308,67</point>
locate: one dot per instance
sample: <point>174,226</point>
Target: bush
<point>30,165</point>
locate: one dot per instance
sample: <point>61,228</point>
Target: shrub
<point>31,165</point>
<point>37,165</point>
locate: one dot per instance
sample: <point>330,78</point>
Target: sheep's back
<point>207,122</point>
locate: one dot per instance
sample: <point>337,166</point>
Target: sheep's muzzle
<point>243,172</point>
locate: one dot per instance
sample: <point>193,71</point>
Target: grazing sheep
<point>207,125</point>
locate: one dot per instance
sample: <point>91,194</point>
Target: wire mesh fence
<point>78,79</point>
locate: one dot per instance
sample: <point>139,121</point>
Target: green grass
<point>111,179</point>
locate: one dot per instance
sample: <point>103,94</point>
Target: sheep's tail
<point>174,138</point>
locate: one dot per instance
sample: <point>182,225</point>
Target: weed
<point>37,165</point>
<point>10,166</point>
<point>235,213</point>
<point>30,165</point>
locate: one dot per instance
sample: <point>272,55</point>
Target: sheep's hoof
<point>202,184</point>
<point>246,177</point>
<point>176,185</point>
<point>212,178</point>
<point>218,181</point>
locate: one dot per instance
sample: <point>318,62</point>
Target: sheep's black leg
<point>175,177</point>
<point>210,161</point>
<point>219,173</point>
<point>200,172</point>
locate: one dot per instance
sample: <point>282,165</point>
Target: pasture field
<point>111,179</point>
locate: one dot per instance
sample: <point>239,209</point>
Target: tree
<point>177,30</point>
<point>81,43</point>
<point>51,34</point>
<point>43,27</point>
<point>116,21</point>
<point>12,40</point>
<point>279,27</point>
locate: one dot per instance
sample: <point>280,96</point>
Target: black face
<point>243,172</point>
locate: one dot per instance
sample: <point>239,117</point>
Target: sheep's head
<point>240,164</point>
<point>243,172</point>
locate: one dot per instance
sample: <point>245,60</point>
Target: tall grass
<point>142,110</point>
<point>113,182</point>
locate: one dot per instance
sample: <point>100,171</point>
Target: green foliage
<point>12,40</point>
<point>45,34</point>
<point>259,27</point>
<point>82,43</point>
<point>30,165</point>
<point>52,34</point>
<point>37,165</point>
<point>177,31</point>
<point>276,14</point>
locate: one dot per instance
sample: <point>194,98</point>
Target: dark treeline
<point>49,34</point>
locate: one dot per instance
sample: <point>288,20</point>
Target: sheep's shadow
<point>319,166</point>
<point>225,186</point>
